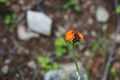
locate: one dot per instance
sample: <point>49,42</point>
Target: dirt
<point>20,52</point>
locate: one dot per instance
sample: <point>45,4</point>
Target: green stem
<point>75,60</point>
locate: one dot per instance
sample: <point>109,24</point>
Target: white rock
<point>32,64</point>
<point>24,34</point>
<point>66,17</point>
<point>102,15</point>
<point>104,28</point>
<point>87,53</point>
<point>4,40</point>
<point>7,61</point>
<point>117,38</point>
<point>5,69</point>
<point>39,22</point>
<point>90,21</point>
<point>93,33</point>
<point>67,72</point>
<point>17,75</point>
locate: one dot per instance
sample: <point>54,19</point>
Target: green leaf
<point>89,77</point>
<point>46,64</point>
<point>56,66</point>
<point>112,70</point>
<point>70,45</point>
<point>43,61</point>
<point>10,19</point>
<point>7,19</point>
<point>77,9</point>
<point>72,2</point>
<point>77,43</point>
<point>3,1</point>
<point>118,9</point>
<point>60,42</point>
<point>65,6</point>
<point>69,4</point>
<point>14,16</point>
<point>60,45</point>
<point>60,52</point>
<point>49,67</point>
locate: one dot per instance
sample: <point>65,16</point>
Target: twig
<point>36,73</point>
<point>22,75</point>
<point>111,52</point>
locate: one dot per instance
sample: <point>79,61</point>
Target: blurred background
<point>33,47</point>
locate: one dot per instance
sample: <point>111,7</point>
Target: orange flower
<point>80,36</point>
<point>70,35</point>
<point>74,36</point>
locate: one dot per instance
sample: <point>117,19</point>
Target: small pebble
<point>102,15</point>
<point>21,2</point>
<point>66,17</point>
<point>7,61</point>
<point>87,53</point>
<point>117,38</point>
<point>17,75</point>
<point>93,33</point>
<point>32,64</point>
<point>90,21</point>
<point>5,69</point>
<point>24,34</point>
<point>4,40</point>
<point>104,28</point>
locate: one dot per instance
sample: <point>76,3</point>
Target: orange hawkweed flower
<point>73,35</point>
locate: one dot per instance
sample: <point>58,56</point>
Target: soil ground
<point>20,52</point>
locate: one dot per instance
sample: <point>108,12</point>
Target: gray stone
<point>66,17</point>
<point>7,61</point>
<point>24,34</point>
<point>39,22</point>
<point>104,28</point>
<point>32,64</point>
<point>117,38</point>
<point>5,69</point>
<point>67,72</point>
<point>90,21</point>
<point>87,53</point>
<point>4,40</point>
<point>93,33</point>
<point>102,15</point>
<point>17,75</point>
